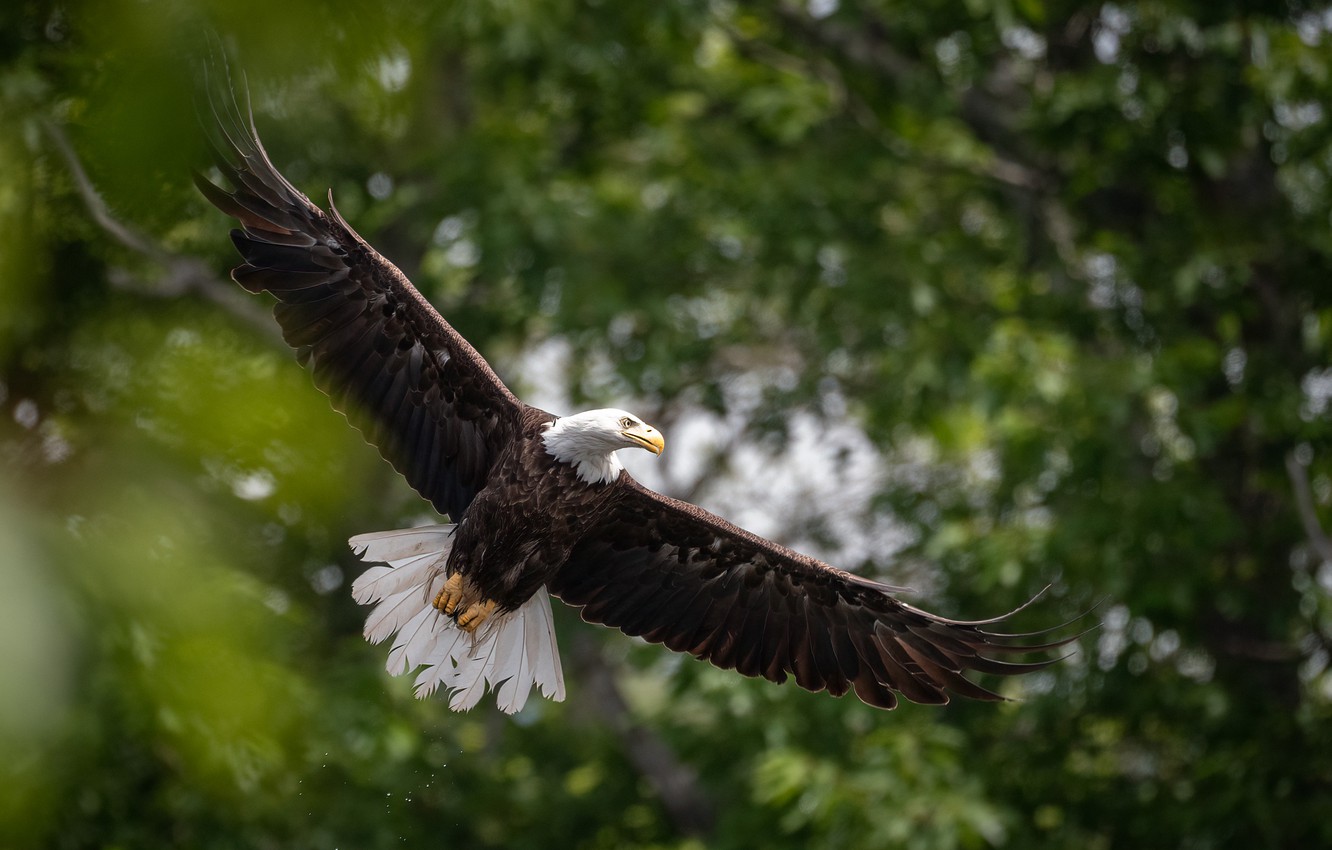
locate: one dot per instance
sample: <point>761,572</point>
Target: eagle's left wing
<point>672,573</point>
<point>414,387</point>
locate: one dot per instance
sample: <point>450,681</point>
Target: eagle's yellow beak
<point>647,437</point>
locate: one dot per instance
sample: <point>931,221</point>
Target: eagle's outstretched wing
<point>672,573</point>
<point>406,379</point>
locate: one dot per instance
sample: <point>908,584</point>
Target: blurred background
<point>971,297</point>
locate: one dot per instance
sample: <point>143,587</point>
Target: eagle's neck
<point>569,440</point>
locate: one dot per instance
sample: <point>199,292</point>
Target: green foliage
<point>1066,264</point>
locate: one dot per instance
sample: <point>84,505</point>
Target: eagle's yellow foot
<point>475,615</point>
<point>448,598</point>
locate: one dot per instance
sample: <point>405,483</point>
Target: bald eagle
<point>542,506</point>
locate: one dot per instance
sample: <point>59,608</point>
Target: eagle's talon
<point>476,614</point>
<point>448,598</point>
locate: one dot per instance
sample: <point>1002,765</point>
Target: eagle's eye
<point>626,422</point>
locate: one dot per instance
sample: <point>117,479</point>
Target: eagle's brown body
<point>523,525</point>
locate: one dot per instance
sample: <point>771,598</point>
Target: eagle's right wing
<point>672,573</point>
<point>407,380</point>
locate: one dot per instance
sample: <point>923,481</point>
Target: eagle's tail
<point>511,652</point>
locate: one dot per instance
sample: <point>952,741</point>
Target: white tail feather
<point>508,694</point>
<point>402,543</point>
<point>509,654</point>
<point>408,564</point>
<point>546,668</point>
<point>439,661</point>
<point>412,642</point>
<point>467,680</point>
<point>392,614</point>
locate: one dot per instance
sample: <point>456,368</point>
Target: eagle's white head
<point>589,441</point>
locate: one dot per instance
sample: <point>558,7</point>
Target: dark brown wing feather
<point>412,385</point>
<point>673,573</point>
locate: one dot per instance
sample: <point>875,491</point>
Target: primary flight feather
<point>542,506</point>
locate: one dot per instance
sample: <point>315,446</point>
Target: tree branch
<point>1304,504</point>
<point>181,275</point>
